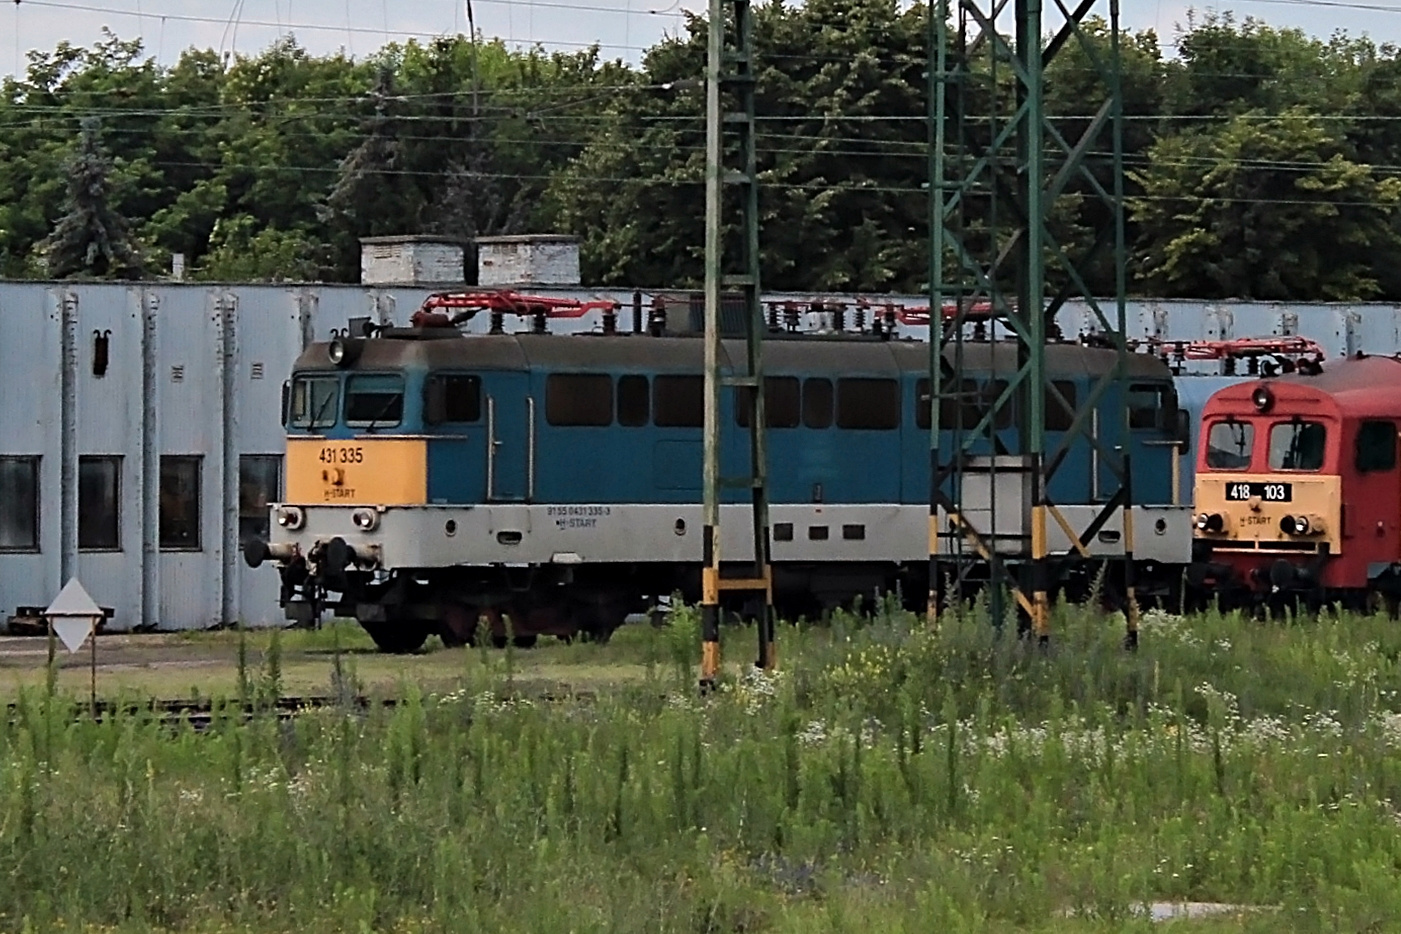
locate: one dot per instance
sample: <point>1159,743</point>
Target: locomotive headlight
<point>1294,525</point>
<point>366,520</point>
<point>291,518</point>
<point>1262,398</point>
<point>1211,522</point>
<point>342,351</point>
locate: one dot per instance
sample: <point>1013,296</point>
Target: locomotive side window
<point>579,399</point>
<point>781,402</point>
<point>964,404</point>
<point>868,403</point>
<point>452,398</point>
<point>1229,445</point>
<point>1376,447</point>
<point>374,400</point>
<point>817,403</point>
<point>1297,445</point>
<point>634,401</point>
<point>1056,416</point>
<point>19,507</point>
<point>1153,407</point>
<point>314,401</point>
<point>678,401</point>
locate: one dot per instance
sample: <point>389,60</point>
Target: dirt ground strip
<point>173,666</point>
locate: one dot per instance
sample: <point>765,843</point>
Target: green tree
<point>1264,208</point>
<point>841,162</point>
<point>91,238</point>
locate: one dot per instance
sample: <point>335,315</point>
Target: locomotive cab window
<point>1297,445</point>
<point>1153,407</point>
<point>579,399</point>
<point>1229,445</point>
<point>314,400</point>
<point>452,398</point>
<point>1376,447</point>
<point>781,402</point>
<point>374,400</point>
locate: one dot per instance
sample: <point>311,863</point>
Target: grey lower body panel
<point>496,534</point>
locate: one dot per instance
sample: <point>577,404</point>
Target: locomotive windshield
<point>1297,446</point>
<point>374,400</point>
<point>314,400</point>
<point>1228,445</point>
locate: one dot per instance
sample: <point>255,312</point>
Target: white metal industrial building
<point>140,436</point>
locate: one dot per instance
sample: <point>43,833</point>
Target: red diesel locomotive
<point>1298,495</point>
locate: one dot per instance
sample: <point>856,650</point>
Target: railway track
<point>200,714</point>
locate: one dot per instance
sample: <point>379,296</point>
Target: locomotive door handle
<point>491,445</point>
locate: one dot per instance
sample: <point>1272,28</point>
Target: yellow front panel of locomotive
<point>379,472</point>
<point>1256,518</point>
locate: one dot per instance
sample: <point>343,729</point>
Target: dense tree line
<point>1263,163</point>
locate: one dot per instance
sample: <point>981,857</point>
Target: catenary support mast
<point>1001,170</point>
<point>732,286</point>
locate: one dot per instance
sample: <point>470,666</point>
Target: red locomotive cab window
<point>1298,445</point>
<point>1229,445</point>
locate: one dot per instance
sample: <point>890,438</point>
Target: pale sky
<point>622,27</point>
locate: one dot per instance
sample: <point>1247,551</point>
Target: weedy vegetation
<point>888,778</point>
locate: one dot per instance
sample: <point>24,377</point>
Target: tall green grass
<point>887,779</point>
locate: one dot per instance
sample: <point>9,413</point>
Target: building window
<point>180,503</point>
<point>678,401</point>
<point>99,503</point>
<point>782,402</point>
<point>817,403</point>
<point>259,485</point>
<point>868,403</point>
<point>579,399</point>
<point>19,506</point>
<point>634,401</point>
<point>451,398</point>
<point>1376,447</point>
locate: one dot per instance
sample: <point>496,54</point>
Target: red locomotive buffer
<point>1298,494</point>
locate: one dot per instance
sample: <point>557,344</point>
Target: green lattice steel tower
<point>999,168</point>
<point>730,169</point>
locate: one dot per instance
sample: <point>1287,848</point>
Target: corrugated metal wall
<point>196,370</point>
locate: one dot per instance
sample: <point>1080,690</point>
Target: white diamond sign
<point>73,615</point>
<point>72,631</point>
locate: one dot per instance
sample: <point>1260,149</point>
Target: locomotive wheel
<point>398,637</point>
<point>458,624</point>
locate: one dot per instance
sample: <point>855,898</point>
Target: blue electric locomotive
<point>551,484</point>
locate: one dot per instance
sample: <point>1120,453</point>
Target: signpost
<point>73,617</point>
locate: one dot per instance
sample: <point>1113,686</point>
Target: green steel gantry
<point>998,165</point>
